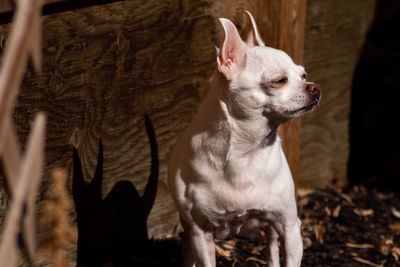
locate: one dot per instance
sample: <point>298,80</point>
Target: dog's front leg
<point>272,249</point>
<point>290,234</point>
<point>203,247</point>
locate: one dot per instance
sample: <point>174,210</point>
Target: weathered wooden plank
<point>291,40</point>
<point>335,32</point>
<point>102,71</point>
<point>104,66</point>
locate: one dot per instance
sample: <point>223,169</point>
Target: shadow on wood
<point>113,231</point>
<point>374,139</point>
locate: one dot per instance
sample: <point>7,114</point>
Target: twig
<point>367,262</point>
<point>23,176</point>
<point>24,40</point>
<point>20,219</point>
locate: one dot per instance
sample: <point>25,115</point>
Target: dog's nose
<point>314,89</point>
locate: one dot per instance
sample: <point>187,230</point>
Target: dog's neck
<point>245,134</point>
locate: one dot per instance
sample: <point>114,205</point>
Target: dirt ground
<point>351,227</point>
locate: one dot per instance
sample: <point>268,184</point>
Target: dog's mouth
<point>300,111</point>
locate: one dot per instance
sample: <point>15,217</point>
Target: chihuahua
<point>227,173</point>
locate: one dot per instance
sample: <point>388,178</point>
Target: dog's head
<point>263,79</point>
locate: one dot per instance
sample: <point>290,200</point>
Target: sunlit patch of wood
<point>55,218</point>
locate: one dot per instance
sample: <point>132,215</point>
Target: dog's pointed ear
<point>231,57</point>
<point>253,38</point>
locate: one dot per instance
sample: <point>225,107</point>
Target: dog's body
<point>228,171</point>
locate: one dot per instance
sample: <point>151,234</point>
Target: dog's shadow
<point>113,231</point>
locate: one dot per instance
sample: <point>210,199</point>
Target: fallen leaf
<point>362,246</point>
<point>231,242</point>
<point>396,253</point>
<point>386,245</point>
<point>306,242</point>
<point>256,250</point>
<point>223,252</point>
<point>342,228</point>
<point>336,211</point>
<point>395,213</point>
<point>319,233</point>
<point>327,211</point>
<point>262,233</point>
<point>257,260</point>
<point>395,227</point>
<point>367,262</point>
<point>364,213</point>
<point>230,245</point>
<point>344,196</point>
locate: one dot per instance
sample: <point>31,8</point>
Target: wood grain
<point>102,71</point>
<point>291,40</point>
<point>335,32</point>
<point>104,66</point>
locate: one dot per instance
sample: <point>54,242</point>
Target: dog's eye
<point>304,76</point>
<point>281,81</point>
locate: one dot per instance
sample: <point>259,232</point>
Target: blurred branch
<point>23,173</point>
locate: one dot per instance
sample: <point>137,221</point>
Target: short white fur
<point>227,173</point>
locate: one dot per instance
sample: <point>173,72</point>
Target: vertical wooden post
<point>285,30</point>
<point>291,40</point>
<point>281,24</point>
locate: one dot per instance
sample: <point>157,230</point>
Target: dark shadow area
<point>113,231</point>
<point>55,7</point>
<point>374,158</point>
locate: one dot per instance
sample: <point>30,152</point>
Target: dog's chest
<point>240,195</point>
<point>244,183</point>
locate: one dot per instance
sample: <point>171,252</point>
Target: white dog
<point>227,171</point>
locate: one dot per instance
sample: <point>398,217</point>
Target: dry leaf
<point>262,233</point>
<point>344,196</point>
<point>361,246</point>
<point>395,227</point>
<point>257,260</point>
<point>319,233</point>
<point>327,211</point>
<point>256,250</point>
<point>364,213</point>
<point>336,211</point>
<point>395,213</point>
<point>342,228</point>
<point>307,242</point>
<point>396,253</point>
<point>230,244</point>
<point>223,252</point>
<point>367,262</point>
<point>386,245</point>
